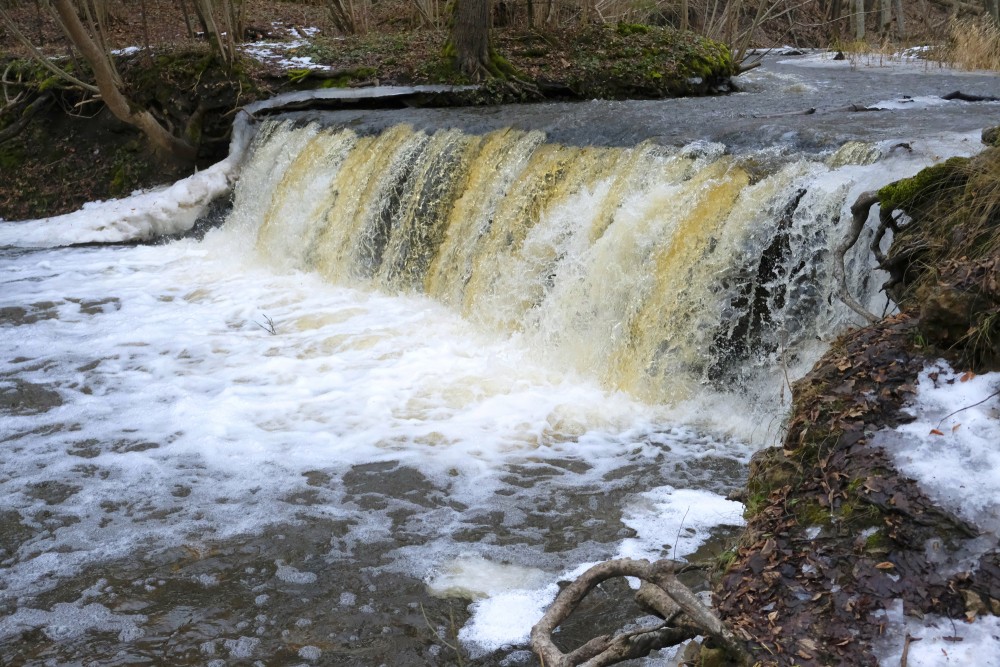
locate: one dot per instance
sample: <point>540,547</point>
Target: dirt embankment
<point>835,533</point>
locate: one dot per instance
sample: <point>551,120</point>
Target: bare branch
<point>685,617</point>
<point>40,57</point>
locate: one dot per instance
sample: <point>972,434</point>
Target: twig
<point>430,626</point>
<point>270,325</point>
<point>996,393</point>
<point>906,648</point>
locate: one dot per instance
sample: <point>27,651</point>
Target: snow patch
<point>688,516</point>
<point>939,642</point>
<point>952,448</point>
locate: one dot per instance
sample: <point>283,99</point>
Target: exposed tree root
<point>684,617</point>
<point>859,214</point>
<point>25,117</point>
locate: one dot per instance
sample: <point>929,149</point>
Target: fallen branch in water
<point>684,617</point>
<point>964,97</point>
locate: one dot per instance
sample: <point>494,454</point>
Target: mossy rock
<point>944,258</point>
<point>640,61</point>
<point>909,193</point>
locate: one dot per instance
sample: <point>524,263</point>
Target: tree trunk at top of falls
<point>110,87</point>
<point>470,39</point>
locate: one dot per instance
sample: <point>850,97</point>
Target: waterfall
<point>655,270</point>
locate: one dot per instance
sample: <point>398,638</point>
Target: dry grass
<point>974,45</point>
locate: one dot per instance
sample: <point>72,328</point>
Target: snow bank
<point>144,215</point>
<point>952,450</point>
<point>939,642</point>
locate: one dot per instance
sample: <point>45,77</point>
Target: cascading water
<point>654,270</point>
<point>417,377</point>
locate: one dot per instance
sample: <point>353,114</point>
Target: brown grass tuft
<point>974,44</point>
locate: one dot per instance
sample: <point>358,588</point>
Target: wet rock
<point>26,398</point>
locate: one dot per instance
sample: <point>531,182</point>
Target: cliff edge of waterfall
<point>858,521</point>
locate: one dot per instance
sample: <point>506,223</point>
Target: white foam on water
<point>687,516</point>
<point>69,620</point>
<point>474,577</point>
<point>184,420</point>
<point>919,102</point>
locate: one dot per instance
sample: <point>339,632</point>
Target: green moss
<point>857,514</point>
<point>628,29</point>
<point>908,193</point>
<point>12,156</point>
<point>878,544</point>
<point>649,62</point>
<point>808,512</point>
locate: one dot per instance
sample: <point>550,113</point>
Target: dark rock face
<point>835,534</point>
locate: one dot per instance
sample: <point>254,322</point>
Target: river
<point>433,362</point>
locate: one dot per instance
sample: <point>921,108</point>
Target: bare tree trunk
<point>109,84</point>
<point>859,19</point>
<point>187,17</point>
<point>885,16</point>
<point>145,32</point>
<point>470,37</point>
<point>39,21</point>
<point>900,27</point>
<point>684,14</point>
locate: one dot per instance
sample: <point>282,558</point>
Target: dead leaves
<point>828,585</point>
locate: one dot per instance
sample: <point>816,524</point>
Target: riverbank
<point>847,538</point>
